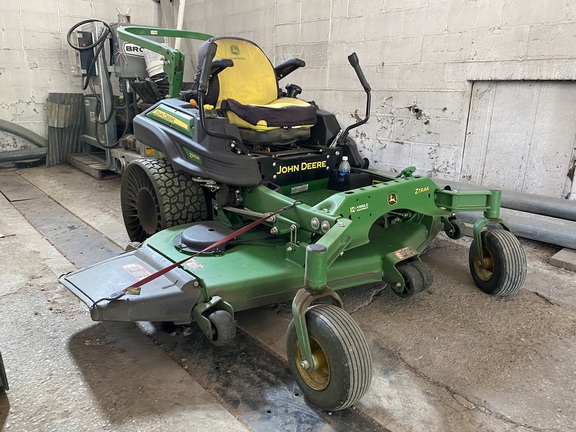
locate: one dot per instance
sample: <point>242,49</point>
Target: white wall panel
<point>521,136</point>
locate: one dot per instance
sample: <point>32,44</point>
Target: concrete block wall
<point>35,57</point>
<point>420,57</point>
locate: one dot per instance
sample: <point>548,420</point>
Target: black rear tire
<point>154,197</point>
<point>341,353</point>
<point>505,263</point>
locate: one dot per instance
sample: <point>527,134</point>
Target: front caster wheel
<point>458,229</point>
<point>504,269</point>
<point>343,363</point>
<point>223,327</point>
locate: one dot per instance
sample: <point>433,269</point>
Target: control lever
<point>206,68</point>
<point>355,63</point>
<point>292,90</point>
<point>353,59</point>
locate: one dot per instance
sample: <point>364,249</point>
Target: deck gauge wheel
<point>417,278</point>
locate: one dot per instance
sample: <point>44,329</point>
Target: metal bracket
<point>407,172</point>
<point>479,225</point>
<point>448,225</point>
<point>293,233</point>
<point>200,308</point>
<point>316,288</point>
<point>302,301</point>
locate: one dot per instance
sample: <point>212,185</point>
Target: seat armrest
<point>289,66</point>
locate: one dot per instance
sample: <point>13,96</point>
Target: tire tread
<point>179,199</point>
<point>355,346</point>
<point>512,261</point>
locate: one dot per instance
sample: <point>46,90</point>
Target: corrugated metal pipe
<point>536,217</point>
<point>38,152</point>
<point>546,229</point>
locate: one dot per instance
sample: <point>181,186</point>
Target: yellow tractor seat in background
<point>248,93</point>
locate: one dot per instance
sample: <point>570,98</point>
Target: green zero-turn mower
<point>244,206</point>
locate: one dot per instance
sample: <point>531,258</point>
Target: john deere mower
<point>245,205</point>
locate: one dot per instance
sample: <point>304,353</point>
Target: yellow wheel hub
<point>486,272</point>
<point>319,378</point>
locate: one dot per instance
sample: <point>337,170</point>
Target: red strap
<point>213,245</point>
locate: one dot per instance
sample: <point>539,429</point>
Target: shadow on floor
<point>252,383</point>
<point>4,408</point>
<point>128,377</point>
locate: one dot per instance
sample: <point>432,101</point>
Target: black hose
<point>22,132</point>
<point>101,39</point>
<point>23,154</point>
<point>28,135</point>
<point>98,44</point>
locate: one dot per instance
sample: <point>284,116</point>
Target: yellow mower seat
<point>248,93</point>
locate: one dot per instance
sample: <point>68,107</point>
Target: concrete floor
<point>450,359</point>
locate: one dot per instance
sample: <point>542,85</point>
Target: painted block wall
<point>420,57</point>
<point>34,57</point>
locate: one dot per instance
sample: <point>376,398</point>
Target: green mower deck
<point>367,234</point>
